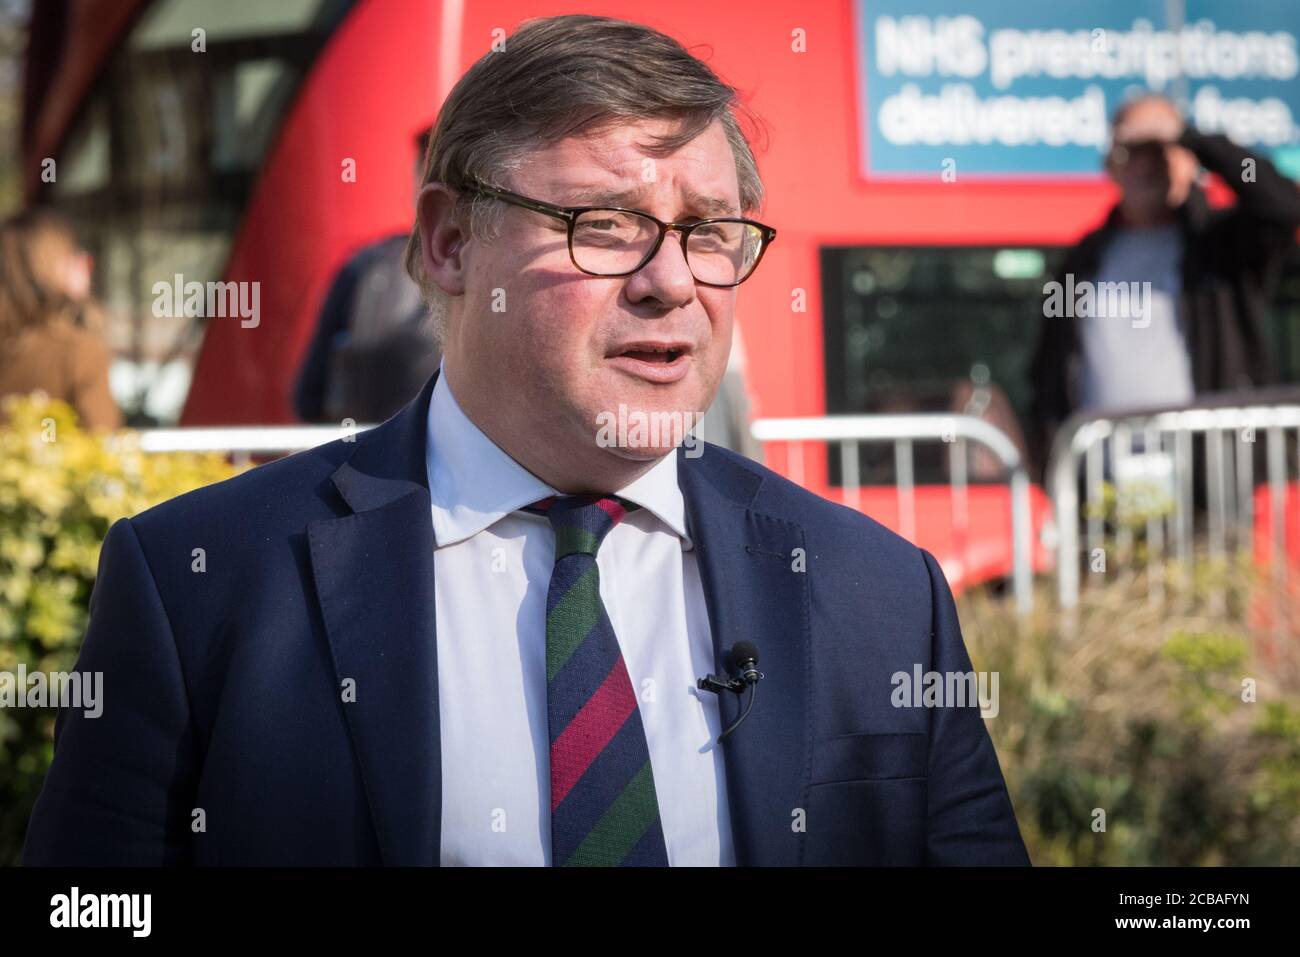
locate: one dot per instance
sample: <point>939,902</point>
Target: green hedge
<point>60,490</point>
<point>1139,711</point>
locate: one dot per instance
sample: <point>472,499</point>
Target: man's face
<point>1153,173</point>
<point>554,351</point>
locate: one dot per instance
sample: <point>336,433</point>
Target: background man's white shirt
<point>492,569</point>
<point>1136,361</point>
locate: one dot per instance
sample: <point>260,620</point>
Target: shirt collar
<point>474,483</point>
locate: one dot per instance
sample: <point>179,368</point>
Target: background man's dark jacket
<point>1231,259</point>
<point>224,688</point>
<point>372,349</point>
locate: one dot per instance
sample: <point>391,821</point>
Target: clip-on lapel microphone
<point>743,659</point>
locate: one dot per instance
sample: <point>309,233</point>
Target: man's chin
<point>641,454</point>
<point>641,432</point>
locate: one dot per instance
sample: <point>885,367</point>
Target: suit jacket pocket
<point>858,757</point>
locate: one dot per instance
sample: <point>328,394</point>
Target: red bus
<point>207,139</point>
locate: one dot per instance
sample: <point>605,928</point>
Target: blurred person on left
<point>50,328</point>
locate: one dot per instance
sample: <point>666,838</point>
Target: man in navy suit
<point>473,634</point>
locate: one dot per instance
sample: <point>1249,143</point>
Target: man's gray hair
<point>563,76</point>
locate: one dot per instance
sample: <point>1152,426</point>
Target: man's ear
<point>441,239</point>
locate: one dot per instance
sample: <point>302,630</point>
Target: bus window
<point>923,329</point>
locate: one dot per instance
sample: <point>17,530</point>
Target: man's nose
<point>666,277</point>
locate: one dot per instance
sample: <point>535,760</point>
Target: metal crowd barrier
<point>243,442</point>
<point>850,431</point>
<point>1155,447</point>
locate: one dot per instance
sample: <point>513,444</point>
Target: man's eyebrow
<point>632,198</point>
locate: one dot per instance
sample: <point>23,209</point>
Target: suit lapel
<point>747,568</point>
<point>373,571</point>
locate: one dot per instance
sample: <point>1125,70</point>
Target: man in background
<point>374,346</point>
<point>1201,329</point>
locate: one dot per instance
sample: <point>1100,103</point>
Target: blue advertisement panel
<point>1016,87</point>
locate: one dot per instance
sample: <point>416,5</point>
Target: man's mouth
<point>649,351</point>
<point>654,361</point>
<point>655,355</point>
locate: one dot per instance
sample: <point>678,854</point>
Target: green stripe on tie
<point>571,620</point>
<point>621,826</point>
<point>570,539</point>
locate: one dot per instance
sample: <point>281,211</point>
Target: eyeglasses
<point>616,241</point>
<point>1124,153</point>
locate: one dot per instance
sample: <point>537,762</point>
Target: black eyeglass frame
<point>1124,153</point>
<point>570,215</point>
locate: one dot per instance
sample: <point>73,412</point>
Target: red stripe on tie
<point>613,508</point>
<point>590,730</point>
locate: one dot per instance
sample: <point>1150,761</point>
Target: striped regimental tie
<point>604,811</point>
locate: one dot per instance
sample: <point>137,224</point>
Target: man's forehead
<point>597,170</point>
<point>1145,110</point>
<point>581,190</point>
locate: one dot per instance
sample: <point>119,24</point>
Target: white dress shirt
<point>492,569</point>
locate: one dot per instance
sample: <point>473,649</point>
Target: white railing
<point>1151,450</point>
<point>851,431</point>
<point>242,442</point>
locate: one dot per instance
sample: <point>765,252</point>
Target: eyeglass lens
<point>609,242</point>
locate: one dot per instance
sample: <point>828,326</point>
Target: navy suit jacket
<point>225,737</point>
